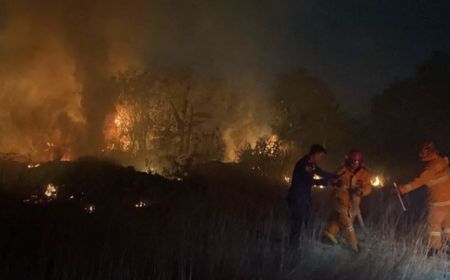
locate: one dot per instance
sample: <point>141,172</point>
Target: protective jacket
<point>436,176</point>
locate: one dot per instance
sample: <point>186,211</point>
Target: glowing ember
<point>317,177</point>
<point>152,171</point>
<point>51,191</point>
<point>33,165</point>
<point>141,204</point>
<point>34,199</point>
<point>90,208</point>
<point>287,179</point>
<point>377,182</point>
<point>66,157</point>
<point>50,145</point>
<point>271,147</point>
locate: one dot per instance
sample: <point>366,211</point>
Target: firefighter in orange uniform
<point>353,184</point>
<point>436,176</point>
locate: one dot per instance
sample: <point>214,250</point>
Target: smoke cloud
<point>57,57</point>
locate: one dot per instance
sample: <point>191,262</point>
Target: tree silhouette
<point>308,112</point>
<point>413,109</point>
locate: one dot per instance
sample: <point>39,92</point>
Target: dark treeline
<point>409,111</point>
<point>168,122</point>
<point>178,120</point>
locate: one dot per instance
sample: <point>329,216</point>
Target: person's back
<point>301,178</point>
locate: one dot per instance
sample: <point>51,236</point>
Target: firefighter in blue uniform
<point>299,196</point>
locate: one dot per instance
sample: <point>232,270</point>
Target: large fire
<point>55,153</point>
<point>272,146</point>
<point>117,129</point>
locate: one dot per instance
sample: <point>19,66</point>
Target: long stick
<point>360,220</point>
<point>400,197</point>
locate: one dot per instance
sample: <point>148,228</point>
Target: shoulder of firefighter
<point>436,175</point>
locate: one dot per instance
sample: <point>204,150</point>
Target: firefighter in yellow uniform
<point>436,176</point>
<point>353,184</point>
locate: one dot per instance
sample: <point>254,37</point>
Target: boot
<point>329,238</point>
<point>356,248</point>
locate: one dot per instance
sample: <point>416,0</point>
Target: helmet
<point>427,151</point>
<point>354,159</point>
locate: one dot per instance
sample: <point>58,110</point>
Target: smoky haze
<point>57,58</point>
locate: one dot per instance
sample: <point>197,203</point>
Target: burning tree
<point>266,158</point>
<point>162,119</point>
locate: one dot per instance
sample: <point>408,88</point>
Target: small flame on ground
<point>142,204</point>
<point>33,165</point>
<point>33,199</point>
<point>287,179</point>
<point>51,191</point>
<point>90,208</point>
<point>377,182</point>
<point>66,157</point>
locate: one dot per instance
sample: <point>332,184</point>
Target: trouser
<point>343,220</point>
<point>439,225</point>
<point>300,214</point>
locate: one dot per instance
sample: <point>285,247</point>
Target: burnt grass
<point>191,228</point>
<point>220,222</point>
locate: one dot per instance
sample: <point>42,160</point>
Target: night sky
<point>358,47</point>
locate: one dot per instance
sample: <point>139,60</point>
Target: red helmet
<point>427,151</point>
<point>354,159</point>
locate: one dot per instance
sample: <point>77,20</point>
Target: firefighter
<point>436,177</point>
<point>352,184</point>
<point>299,196</point>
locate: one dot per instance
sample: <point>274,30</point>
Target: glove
<point>356,191</point>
